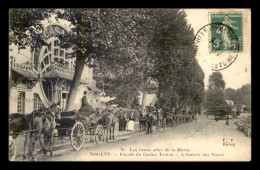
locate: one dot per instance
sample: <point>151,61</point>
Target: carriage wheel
<point>99,134</point>
<point>77,136</point>
<point>12,149</point>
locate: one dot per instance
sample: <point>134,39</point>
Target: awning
<point>26,73</point>
<point>55,74</point>
<point>106,99</point>
<point>95,89</point>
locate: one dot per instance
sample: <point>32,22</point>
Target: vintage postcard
<point>115,84</point>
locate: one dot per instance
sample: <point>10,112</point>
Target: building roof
<point>106,99</point>
<point>95,89</point>
<point>150,99</point>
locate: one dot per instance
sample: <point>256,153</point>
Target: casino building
<point>44,76</point>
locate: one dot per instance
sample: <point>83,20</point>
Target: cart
<point>70,125</point>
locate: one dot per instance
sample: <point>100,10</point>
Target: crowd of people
<point>155,118</point>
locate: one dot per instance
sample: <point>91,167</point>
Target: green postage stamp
<point>229,35</point>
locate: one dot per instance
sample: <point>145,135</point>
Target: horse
<point>142,123</point>
<point>41,123</point>
<point>109,118</point>
<point>18,123</point>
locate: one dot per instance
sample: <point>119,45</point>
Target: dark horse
<point>41,122</point>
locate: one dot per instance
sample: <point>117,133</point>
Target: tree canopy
<point>239,96</point>
<point>214,100</point>
<point>174,65</point>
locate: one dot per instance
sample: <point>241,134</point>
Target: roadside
<point>59,143</point>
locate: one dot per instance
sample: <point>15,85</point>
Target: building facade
<point>44,76</point>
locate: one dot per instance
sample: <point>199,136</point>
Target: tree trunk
<point>79,67</point>
<point>143,101</point>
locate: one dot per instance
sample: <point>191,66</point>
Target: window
<point>42,65</point>
<point>37,103</point>
<point>56,43</point>
<point>56,52</point>
<point>56,60</point>
<point>45,51</point>
<point>64,95</point>
<point>61,53</point>
<point>49,47</point>
<point>20,102</point>
<point>65,87</point>
<point>46,60</point>
<point>96,100</point>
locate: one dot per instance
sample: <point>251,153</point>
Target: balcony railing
<point>24,67</point>
<point>61,69</point>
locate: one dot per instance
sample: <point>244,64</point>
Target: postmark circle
<point>218,44</point>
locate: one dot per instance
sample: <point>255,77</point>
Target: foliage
<point>240,96</point>
<point>174,66</point>
<point>25,27</point>
<point>216,81</point>
<point>214,100</point>
<point>122,58</point>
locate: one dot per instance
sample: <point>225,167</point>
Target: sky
<point>237,74</point>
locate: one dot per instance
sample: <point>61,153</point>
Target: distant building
<point>150,100</point>
<point>230,102</point>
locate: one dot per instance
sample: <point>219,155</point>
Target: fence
<point>244,125</point>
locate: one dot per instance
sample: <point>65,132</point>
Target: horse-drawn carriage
<point>42,126</point>
<point>76,127</point>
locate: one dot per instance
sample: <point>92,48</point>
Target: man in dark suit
<point>149,119</point>
<point>142,121</point>
<point>124,120</point>
<point>85,109</point>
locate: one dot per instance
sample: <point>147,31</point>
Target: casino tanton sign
<point>53,30</point>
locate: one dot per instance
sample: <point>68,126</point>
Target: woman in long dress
<point>131,122</point>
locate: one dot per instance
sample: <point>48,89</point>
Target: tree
<point>174,66</point>
<point>230,94</point>
<point>240,96</point>
<point>216,81</point>
<point>246,95</point>
<point>214,100</point>
<point>25,27</point>
<point>126,56</point>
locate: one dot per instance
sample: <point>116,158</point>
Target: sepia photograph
<point>129,84</point>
